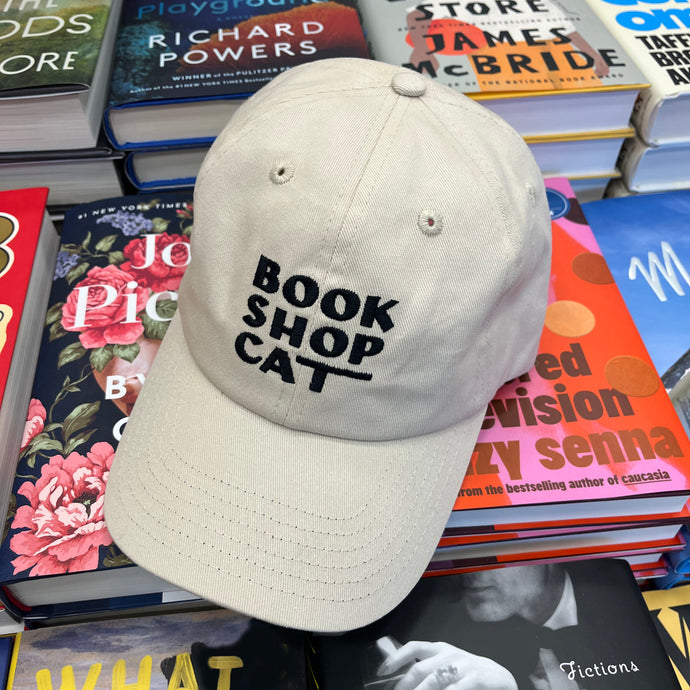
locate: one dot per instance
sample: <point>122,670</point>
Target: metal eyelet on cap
<point>282,172</point>
<point>430,222</point>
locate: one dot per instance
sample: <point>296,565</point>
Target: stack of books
<point>552,70</point>
<point>658,39</point>
<point>55,61</point>
<point>181,71</point>
<point>583,456</point>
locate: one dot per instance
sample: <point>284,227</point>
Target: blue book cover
<point>6,645</point>
<point>645,240</point>
<point>646,243</point>
<point>169,54</point>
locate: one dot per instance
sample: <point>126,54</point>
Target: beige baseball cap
<point>370,261</point>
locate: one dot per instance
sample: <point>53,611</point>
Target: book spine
<point>629,160</point>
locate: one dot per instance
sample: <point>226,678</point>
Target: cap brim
<point>295,528</point>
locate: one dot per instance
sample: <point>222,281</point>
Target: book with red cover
<point>590,432</point>
<point>28,244</point>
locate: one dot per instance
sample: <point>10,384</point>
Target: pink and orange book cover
<point>591,421</point>
<point>21,218</point>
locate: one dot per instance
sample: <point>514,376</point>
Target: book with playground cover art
<point>589,432</point>
<point>181,69</point>
<point>114,291</point>
<point>514,58</point>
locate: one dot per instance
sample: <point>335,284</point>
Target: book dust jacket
<point>204,650</point>
<point>171,50</point>
<point>114,292</point>
<point>591,420</point>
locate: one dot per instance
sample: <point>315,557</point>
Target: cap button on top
<point>408,84</point>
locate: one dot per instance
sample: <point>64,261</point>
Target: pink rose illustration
<point>35,420</point>
<point>64,525</point>
<point>103,308</point>
<point>161,269</point>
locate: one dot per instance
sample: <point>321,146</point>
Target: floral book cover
<point>203,650</point>
<point>118,268</point>
<point>591,422</point>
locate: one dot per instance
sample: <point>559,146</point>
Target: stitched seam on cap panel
<point>390,482</point>
<point>388,477</point>
<point>253,122</point>
<point>496,194</point>
<point>143,506</point>
<point>364,160</point>
<point>197,559</point>
<point>399,103</point>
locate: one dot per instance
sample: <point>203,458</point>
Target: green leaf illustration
<point>76,440</point>
<point>116,257</point>
<point>79,418</point>
<point>87,240</point>
<point>56,331</point>
<point>100,356</point>
<point>127,352</point>
<point>77,272</point>
<point>41,443</point>
<point>160,225</point>
<point>71,353</point>
<point>155,329</point>
<point>54,313</point>
<point>105,243</point>
<point>116,561</point>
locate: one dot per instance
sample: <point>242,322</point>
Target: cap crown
<point>371,254</point>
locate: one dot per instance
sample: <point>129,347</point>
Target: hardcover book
<point>118,268</point>
<point>584,156</point>
<point>205,650</point>
<point>652,539</point>
<point>641,552</point>
<point>546,67</point>
<point>611,532</point>
<point>657,36</point>
<point>670,609</point>
<point>646,243</point>
<point>590,431</point>
<point>575,626</point>
<point>646,168</point>
<point>182,69</point>
<point>28,245</point>
<point>55,61</point>
<point>73,177</point>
